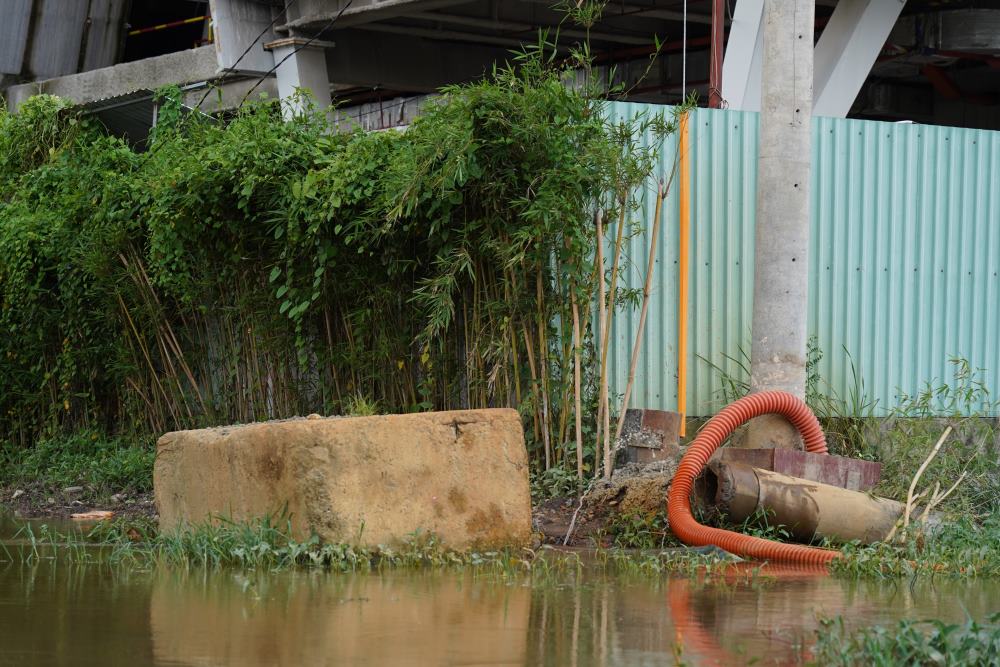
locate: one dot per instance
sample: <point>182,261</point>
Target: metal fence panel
<point>904,259</point>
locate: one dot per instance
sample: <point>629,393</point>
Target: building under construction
<point>923,61</point>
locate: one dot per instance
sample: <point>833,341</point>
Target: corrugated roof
<point>40,40</point>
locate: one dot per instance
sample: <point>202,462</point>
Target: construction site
<point>510,332</point>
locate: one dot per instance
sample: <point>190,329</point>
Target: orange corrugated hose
<point>715,432</point>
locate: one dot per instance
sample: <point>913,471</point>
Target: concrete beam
<point>237,24</point>
<point>847,49</point>
<point>318,13</point>
<point>741,67</point>
<point>150,73</point>
<point>517,27</point>
<point>406,62</point>
<point>301,66</point>
<point>625,9</point>
<point>446,35</point>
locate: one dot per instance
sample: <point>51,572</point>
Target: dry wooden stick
<point>576,383</point>
<point>920,471</point>
<point>899,522</point>
<point>937,499</point>
<point>646,291</point>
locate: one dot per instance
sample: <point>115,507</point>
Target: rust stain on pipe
<point>807,509</point>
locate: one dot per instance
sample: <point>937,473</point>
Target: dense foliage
<point>260,268</point>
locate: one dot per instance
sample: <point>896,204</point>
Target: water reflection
<point>310,619</point>
<point>56,613</point>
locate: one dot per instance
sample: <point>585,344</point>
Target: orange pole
<point>682,283</point>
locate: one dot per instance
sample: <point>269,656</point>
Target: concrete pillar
<point>781,268</point>
<point>302,68</point>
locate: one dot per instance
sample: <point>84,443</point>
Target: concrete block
<point>461,475</point>
<point>651,435</point>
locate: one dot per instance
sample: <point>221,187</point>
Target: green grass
<point>962,548</point>
<point>268,544</point>
<point>101,465</point>
<point>910,643</point>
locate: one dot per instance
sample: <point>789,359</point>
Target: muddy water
<point>57,613</point>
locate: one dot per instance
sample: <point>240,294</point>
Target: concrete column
<point>781,268</point>
<point>304,69</point>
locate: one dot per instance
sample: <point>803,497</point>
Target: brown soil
<point>37,502</point>
<point>634,489</point>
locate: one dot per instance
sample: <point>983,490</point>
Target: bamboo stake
<point>661,195</point>
<point>576,384</point>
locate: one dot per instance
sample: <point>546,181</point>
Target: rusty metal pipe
<point>807,509</point>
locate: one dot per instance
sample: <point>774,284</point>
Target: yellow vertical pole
<point>682,283</point>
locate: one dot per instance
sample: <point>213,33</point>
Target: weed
<point>84,458</point>
<point>907,436</point>
<point>360,405</point>
<point>640,530</point>
<point>909,643</point>
<point>556,482</point>
<point>959,548</point>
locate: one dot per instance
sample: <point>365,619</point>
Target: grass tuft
<point>909,643</point>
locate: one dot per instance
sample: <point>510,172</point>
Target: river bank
<point>263,617</point>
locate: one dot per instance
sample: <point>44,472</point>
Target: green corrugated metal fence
<point>904,259</point>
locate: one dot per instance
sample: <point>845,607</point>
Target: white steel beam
<point>741,67</point>
<point>847,49</point>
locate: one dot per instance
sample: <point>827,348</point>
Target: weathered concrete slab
<point>461,475</point>
<point>851,474</point>
<point>650,435</point>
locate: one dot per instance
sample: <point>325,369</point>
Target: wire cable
<point>256,39</point>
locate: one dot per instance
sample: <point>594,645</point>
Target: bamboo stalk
<point>534,380</point>
<point>513,350</point>
<point>606,339</point>
<point>920,471</point>
<point>543,362</point>
<point>601,320</point>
